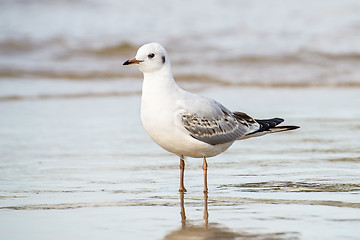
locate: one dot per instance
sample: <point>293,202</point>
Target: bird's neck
<point>159,81</point>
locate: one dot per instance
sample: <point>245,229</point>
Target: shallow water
<point>76,163</point>
<point>86,164</point>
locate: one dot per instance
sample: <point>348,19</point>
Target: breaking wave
<point>59,59</point>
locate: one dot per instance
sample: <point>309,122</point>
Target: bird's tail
<point>269,126</point>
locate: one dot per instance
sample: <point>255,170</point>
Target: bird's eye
<point>151,55</point>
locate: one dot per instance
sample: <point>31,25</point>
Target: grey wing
<point>221,129</point>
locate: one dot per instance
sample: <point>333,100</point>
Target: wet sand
<point>83,168</point>
<point>75,162</point>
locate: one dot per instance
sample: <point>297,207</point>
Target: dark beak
<point>132,61</point>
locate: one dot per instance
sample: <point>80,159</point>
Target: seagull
<point>187,124</point>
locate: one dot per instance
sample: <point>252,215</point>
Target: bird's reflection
<point>206,212</point>
<point>190,231</point>
<point>183,214</point>
<point>203,231</point>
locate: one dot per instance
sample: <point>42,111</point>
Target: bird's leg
<point>204,167</point>
<point>182,170</point>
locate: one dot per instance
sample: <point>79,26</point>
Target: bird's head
<point>150,57</point>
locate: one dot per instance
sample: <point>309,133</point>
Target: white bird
<point>187,124</point>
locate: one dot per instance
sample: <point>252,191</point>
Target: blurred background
<point>75,162</point>
<point>61,44</point>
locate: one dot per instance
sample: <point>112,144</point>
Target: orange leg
<point>182,170</point>
<point>204,167</point>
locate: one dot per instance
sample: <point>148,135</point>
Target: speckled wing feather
<point>225,128</point>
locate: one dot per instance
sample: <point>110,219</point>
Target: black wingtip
<point>265,124</point>
<point>271,125</point>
